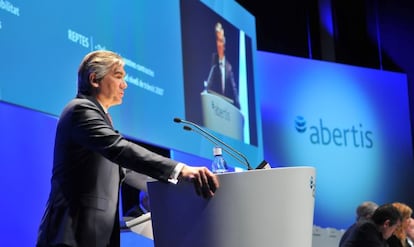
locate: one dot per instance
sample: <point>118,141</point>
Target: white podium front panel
<point>272,207</point>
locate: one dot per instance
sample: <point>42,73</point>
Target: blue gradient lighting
<point>326,16</point>
<point>350,123</point>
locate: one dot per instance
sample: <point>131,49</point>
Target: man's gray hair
<point>98,62</point>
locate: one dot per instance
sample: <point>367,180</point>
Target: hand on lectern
<point>205,182</point>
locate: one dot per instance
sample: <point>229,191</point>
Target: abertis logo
<point>321,134</point>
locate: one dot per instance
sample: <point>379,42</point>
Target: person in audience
<point>399,238</point>
<point>410,232</point>
<point>364,211</point>
<point>375,231</point>
<point>221,77</point>
<point>91,159</point>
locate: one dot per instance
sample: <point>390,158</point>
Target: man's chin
<point>117,102</point>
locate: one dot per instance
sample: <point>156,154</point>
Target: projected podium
<point>221,116</point>
<point>272,207</point>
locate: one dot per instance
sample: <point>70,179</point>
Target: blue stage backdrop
<point>42,44</point>
<point>26,149</point>
<point>166,60</point>
<point>351,123</point>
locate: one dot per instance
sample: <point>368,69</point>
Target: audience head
<point>387,218</point>
<point>365,210</point>
<point>410,229</point>
<point>406,213</point>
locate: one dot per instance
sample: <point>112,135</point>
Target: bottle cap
<point>217,151</point>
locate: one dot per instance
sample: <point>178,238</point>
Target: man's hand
<point>205,182</point>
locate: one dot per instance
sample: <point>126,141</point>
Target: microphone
<point>242,158</point>
<point>209,77</point>
<point>188,128</point>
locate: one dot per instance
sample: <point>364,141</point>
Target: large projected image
<point>43,43</point>
<point>44,54</point>
<point>218,73</point>
<point>352,124</point>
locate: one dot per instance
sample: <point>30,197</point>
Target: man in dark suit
<point>90,159</point>
<point>375,231</point>
<point>221,78</point>
<point>364,211</point>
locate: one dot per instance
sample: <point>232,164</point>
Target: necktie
<point>222,76</point>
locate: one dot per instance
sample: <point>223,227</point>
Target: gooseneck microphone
<point>241,157</point>
<point>210,73</point>
<point>188,128</point>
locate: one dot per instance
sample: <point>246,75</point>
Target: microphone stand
<point>211,137</point>
<point>188,128</point>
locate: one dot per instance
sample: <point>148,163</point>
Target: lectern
<point>221,116</point>
<point>271,207</point>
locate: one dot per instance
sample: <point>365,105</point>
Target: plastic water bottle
<point>219,165</point>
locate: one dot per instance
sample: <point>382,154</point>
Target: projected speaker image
<point>218,73</point>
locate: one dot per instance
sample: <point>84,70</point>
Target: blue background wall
<point>26,161</point>
<point>351,123</point>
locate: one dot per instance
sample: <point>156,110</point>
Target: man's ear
<point>93,81</point>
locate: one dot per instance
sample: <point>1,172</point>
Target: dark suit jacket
<point>365,235</point>
<point>346,234</point>
<point>394,241</point>
<point>231,89</point>
<point>82,209</point>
